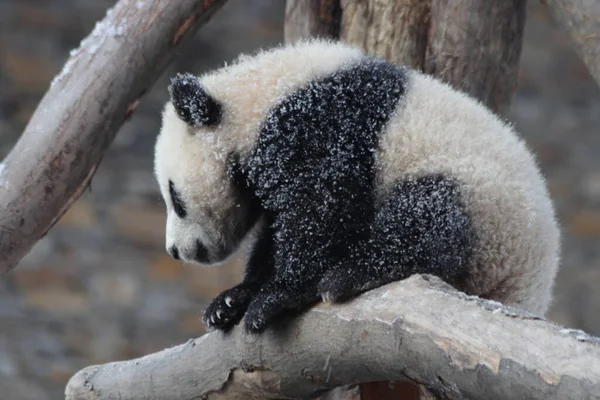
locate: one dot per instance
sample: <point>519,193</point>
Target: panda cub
<point>344,172</point>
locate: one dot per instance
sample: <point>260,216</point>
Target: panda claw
<point>228,308</point>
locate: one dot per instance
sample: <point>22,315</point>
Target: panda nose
<point>174,252</point>
<point>201,252</point>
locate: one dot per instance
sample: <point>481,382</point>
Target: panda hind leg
<point>228,308</point>
<point>421,227</point>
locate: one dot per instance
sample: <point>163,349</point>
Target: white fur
<point>194,159</point>
<point>436,129</point>
<point>439,129</point>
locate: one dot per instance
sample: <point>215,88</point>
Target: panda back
<point>437,129</point>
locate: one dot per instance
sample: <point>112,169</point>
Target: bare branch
<point>74,124</point>
<point>418,329</point>
<point>581,20</point>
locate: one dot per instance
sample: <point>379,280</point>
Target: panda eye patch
<point>178,204</point>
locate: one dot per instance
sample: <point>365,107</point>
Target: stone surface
<point>100,287</point>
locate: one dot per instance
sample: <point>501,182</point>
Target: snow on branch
<point>74,124</point>
<point>580,19</point>
<point>419,329</point>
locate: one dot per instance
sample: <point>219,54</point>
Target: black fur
<point>193,104</point>
<point>313,169</point>
<point>201,252</point>
<point>223,314</point>
<point>259,268</point>
<point>421,227</point>
<point>178,203</point>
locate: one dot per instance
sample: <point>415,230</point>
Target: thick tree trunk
<point>418,329</point>
<point>474,45</point>
<point>74,124</point>
<point>394,30</point>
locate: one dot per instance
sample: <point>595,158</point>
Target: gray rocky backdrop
<point>100,286</point>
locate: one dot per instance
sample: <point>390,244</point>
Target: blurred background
<point>100,286</point>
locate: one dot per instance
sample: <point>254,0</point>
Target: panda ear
<point>194,105</point>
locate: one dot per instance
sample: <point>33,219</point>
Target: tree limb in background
<point>581,20</point>
<point>418,329</point>
<point>76,121</point>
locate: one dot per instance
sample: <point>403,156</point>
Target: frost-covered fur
<point>517,254</point>
<point>197,164</point>
<point>346,173</point>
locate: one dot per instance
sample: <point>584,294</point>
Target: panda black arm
<point>228,308</point>
<point>313,166</point>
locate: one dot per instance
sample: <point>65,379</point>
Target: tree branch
<point>418,329</point>
<point>74,124</point>
<point>581,20</point>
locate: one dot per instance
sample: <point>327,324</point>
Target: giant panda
<point>339,173</point>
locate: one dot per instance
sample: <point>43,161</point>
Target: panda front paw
<point>268,303</point>
<point>227,309</point>
<point>338,285</point>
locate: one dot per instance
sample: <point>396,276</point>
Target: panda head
<point>209,211</point>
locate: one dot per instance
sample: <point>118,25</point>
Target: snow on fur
<point>342,173</point>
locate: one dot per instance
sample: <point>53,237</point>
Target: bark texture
<point>474,45</point>
<point>74,124</point>
<point>394,30</point>
<point>418,329</point>
<point>581,20</point>
<point>311,18</point>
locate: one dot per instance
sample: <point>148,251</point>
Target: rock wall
<point>100,286</point>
